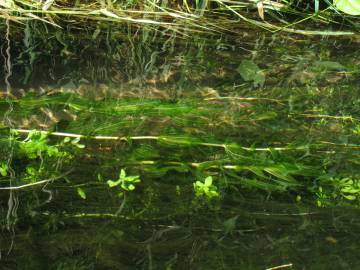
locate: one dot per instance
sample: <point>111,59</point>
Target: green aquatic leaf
<point>249,71</point>
<point>112,183</point>
<point>81,146</point>
<point>208,181</point>
<point>3,169</point>
<point>351,7</point>
<point>350,197</point>
<point>129,187</point>
<point>122,174</point>
<point>81,193</point>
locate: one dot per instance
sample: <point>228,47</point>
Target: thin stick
<point>161,138</point>
<point>37,183</point>
<point>280,267</point>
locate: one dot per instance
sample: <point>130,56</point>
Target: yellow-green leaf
<point>81,193</point>
<point>351,7</point>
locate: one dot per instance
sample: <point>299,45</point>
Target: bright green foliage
<point>351,7</point>
<point>81,193</point>
<point>3,169</point>
<point>36,145</point>
<point>322,197</point>
<point>206,188</point>
<point>74,142</point>
<point>32,174</point>
<point>342,189</point>
<point>356,130</point>
<point>349,188</point>
<point>127,183</point>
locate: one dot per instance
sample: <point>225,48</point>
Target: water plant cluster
<point>275,144</point>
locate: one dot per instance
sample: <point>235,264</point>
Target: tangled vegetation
<point>185,17</point>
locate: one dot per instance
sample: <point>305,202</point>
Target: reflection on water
<point>136,122</point>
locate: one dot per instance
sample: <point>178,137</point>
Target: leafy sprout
<point>127,183</point>
<point>206,188</point>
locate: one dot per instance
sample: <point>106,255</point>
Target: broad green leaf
<point>112,183</point>
<point>198,184</point>
<point>208,181</point>
<point>351,7</point>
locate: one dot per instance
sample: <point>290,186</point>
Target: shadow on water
<point>138,121</point>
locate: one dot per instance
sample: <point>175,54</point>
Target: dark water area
<point>144,150</point>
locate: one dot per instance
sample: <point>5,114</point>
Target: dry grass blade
<point>198,17</point>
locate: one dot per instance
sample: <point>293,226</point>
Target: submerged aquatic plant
<point>3,169</point>
<point>127,183</point>
<point>206,188</point>
<point>36,145</point>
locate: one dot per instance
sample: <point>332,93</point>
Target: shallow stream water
<point>274,120</point>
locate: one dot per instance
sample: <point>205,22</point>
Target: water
<point>279,137</point>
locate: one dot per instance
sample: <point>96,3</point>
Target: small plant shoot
<point>127,183</point>
<point>206,188</point>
